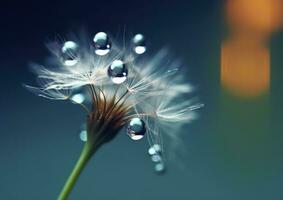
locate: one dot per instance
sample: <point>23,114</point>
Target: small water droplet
<point>118,71</point>
<point>139,44</point>
<point>78,98</point>
<point>70,53</point>
<point>83,135</point>
<point>154,149</point>
<point>156,158</point>
<point>159,168</point>
<point>102,43</point>
<point>136,129</point>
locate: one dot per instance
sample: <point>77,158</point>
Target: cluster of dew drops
<point>118,72</point>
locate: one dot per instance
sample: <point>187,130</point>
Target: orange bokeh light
<point>245,57</point>
<point>264,16</point>
<point>245,69</point>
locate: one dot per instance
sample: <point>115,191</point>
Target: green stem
<point>81,163</point>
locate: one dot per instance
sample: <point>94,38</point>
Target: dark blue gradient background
<point>38,138</point>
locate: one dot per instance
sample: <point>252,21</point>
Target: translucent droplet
<point>156,158</point>
<point>70,53</point>
<point>83,135</point>
<point>139,44</point>
<point>118,71</point>
<point>136,128</point>
<point>154,149</point>
<point>159,168</point>
<point>102,43</point>
<point>78,98</point>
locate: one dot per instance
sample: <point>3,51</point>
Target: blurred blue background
<point>234,151</point>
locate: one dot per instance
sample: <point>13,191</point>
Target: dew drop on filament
<point>102,43</point>
<point>139,44</point>
<point>136,129</point>
<point>156,158</point>
<point>70,53</point>
<point>154,149</point>
<point>159,168</point>
<point>118,71</point>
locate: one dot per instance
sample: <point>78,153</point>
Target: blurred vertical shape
<point>244,132</point>
<point>245,56</point>
<point>245,67</point>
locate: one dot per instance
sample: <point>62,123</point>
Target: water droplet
<point>70,53</point>
<point>139,44</point>
<point>159,168</point>
<point>83,135</point>
<point>136,128</point>
<point>118,71</point>
<point>156,158</point>
<point>78,98</point>
<point>154,149</point>
<point>102,43</point>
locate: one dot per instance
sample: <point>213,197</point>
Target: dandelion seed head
<point>147,95</point>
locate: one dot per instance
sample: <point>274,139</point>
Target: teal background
<point>234,151</point>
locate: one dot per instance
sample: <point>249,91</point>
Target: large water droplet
<point>70,53</point>
<point>102,43</point>
<point>118,71</point>
<point>136,128</point>
<point>139,44</point>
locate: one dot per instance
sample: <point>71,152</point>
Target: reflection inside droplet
<point>140,49</point>
<point>118,71</point>
<point>136,129</point>
<point>70,53</point>
<point>102,43</point>
<point>139,44</point>
<point>78,98</point>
